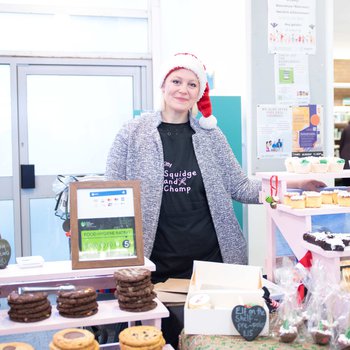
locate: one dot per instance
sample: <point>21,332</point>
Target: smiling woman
<point>189,176</point>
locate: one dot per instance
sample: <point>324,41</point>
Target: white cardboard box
<point>227,285</point>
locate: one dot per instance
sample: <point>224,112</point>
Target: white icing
<point>343,340</point>
<point>199,301</point>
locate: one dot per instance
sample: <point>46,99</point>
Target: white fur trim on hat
<point>187,61</point>
<point>208,122</point>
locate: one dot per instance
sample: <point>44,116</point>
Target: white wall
<point>212,30</point>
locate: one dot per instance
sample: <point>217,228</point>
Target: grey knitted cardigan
<point>137,153</point>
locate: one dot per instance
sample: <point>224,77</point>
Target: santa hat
<point>303,265</point>
<point>191,62</point>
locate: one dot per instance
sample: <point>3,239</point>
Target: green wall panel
<point>227,110</point>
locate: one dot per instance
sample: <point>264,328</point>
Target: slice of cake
<point>327,197</point>
<point>344,198</point>
<point>313,199</point>
<point>287,198</point>
<point>298,202</point>
<point>335,196</point>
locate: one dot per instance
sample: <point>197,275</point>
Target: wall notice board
<point>262,87</point>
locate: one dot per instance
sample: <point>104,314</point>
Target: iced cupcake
<point>287,333</point>
<point>289,164</point>
<point>336,164</point>
<point>319,165</point>
<point>302,165</point>
<point>344,342</point>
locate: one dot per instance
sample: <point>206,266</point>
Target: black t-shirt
<point>185,229</point>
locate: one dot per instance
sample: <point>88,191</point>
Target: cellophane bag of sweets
<point>288,325</point>
<point>342,315</point>
<point>319,305</point>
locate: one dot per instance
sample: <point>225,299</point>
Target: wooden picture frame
<point>106,224</point>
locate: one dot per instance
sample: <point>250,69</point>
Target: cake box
<point>227,286</point>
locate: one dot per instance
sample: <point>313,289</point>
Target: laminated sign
<point>106,224</point>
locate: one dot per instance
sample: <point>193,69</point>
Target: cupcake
<point>344,342</point>
<point>321,337</point>
<point>289,164</point>
<point>302,165</point>
<point>287,333</point>
<point>319,165</point>
<point>336,164</point>
<point>322,333</point>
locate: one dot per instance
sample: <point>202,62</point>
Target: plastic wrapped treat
<point>320,306</point>
<point>342,314</point>
<point>290,325</point>
<point>287,333</point>
<point>321,334</point>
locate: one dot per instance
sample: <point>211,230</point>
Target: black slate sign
<point>249,320</point>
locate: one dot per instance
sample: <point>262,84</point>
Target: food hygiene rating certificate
<point>106,223</point>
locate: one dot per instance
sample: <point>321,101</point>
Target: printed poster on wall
<point>274,125</point>
<point>307,131</point>
<point>292,86</point>
<point>292,26</point>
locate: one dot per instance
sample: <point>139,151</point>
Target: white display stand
<point>60,272</point>
<point>293,223</point>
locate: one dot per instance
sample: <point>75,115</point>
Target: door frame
<point>20,68</point>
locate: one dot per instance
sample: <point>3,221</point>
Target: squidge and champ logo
<point>176,181</point>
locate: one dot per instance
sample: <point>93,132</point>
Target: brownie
<point>326,240</point>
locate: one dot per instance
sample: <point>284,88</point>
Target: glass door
<point>7,212</point>
<point>68,118</point>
